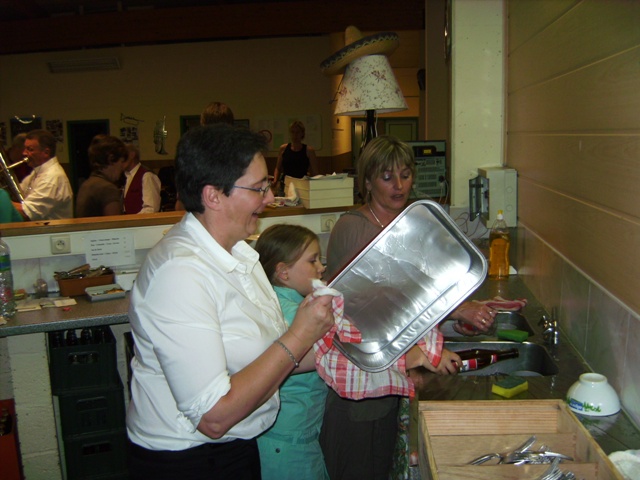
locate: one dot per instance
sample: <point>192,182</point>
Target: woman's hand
<point>474,318</point>
<point>313,319</point>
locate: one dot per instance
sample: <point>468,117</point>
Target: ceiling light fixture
<point>84,65</point>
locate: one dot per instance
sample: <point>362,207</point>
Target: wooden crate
<point>73,287</point>
<point>452,433</point>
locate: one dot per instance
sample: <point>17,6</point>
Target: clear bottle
<point>479,358</point>
<point>7,302</point>
<point>499,243</point>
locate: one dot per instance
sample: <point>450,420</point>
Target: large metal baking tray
<point>409,278</point>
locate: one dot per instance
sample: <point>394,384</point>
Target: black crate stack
<point>84,377</point>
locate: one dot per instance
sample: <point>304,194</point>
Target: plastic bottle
<point>499,243</point>
<point>479,358</point>
<point>7,302</point>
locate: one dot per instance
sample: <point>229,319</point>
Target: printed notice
<point>109,249</point>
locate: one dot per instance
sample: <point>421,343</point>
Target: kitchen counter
<point>613,433</point>
<point>84,314</point>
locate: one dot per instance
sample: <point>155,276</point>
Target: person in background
<point>375,430</point>
<point>99,195</point>
<point>8,213</point>
<point>216,112</point>
<point>46,190</point>
<point>289,450</point>
<point>15,153</point>
<point>212,346</point>
<point>142,186</point>
<point>295,159</point>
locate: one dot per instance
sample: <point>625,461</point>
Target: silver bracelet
<point>284,347</point>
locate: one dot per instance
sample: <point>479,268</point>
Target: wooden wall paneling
<point>587,33</point>
<point>532,16</point>
<point>603,98</point>
<point>604,170</point>
<point>222,21</point>
<point>602,245</point>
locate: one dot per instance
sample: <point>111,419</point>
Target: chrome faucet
<point>550,332</point>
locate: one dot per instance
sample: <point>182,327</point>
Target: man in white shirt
<point>46,190</point>
<point>142,189</point>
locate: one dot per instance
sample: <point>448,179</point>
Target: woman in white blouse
<point>212,346</point>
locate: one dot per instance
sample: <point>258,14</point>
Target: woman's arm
<point>258,381</point>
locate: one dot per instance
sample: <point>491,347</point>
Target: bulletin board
<point>276,129</point>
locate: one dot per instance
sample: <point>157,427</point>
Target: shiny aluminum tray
<point>409,278</point>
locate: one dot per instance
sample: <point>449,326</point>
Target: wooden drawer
<point>452,433</point>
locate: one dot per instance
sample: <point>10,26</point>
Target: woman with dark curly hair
<point>100,195</point>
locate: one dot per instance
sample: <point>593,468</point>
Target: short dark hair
<point>216,155</point>
<point>282,243</point>
<point>216,112</point>
<point>105,150</point>
<point>45,140</point>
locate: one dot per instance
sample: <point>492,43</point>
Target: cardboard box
<point>324,192</point>
<point>453,433</point>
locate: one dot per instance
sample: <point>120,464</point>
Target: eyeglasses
<point>262,190</point>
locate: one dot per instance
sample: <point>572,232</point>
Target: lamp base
<point>371,131</point>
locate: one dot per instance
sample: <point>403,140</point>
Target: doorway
<point>406,129</point>
<point>80,133</point>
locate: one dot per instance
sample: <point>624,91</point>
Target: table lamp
<point>369,87</point>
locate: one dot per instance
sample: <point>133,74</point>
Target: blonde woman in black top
<point>295,159</point>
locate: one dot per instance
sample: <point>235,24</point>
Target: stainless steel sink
<point>503,321</point>
<point>534,359</point>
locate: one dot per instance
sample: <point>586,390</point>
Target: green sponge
<point>510,386</point>
<point>515,335</point>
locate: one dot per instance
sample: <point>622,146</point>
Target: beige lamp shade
<point>369,84</point>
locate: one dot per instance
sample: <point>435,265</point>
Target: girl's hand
<point>447,366</point>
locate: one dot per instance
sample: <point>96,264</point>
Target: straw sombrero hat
<point>357,46</point>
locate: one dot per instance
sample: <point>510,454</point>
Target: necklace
<point>374,215</point>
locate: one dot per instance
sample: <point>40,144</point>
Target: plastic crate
<point>84,365</point>
<point>10,468</point>
<point>96,456</point>
<point>92,411</point>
